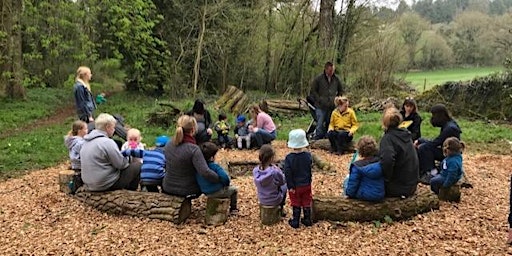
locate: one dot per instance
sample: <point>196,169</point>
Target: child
<point>222,128</point>
<point>221,189</point>
<point>342,126</point>
<point>269,180</point>
<point>412,120</point>
<point>366,181</point>
<point>152,170</point>
<point>73,141</point>
<point>451,166</point>
<point>242,133</point>
<point>100,98</point>
<point>133,140</point>
<point>297,169</point>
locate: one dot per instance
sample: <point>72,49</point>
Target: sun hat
<point>240,118</point>
<point>161,141</point>
<point>297,139</point>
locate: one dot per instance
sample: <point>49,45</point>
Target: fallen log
<point>139,204</point>
<point>287,104</point>
<point>233,100</point>
<point>337,208</point>
<point>326,145</point>
<point>226,96</point>
<point>241,105</point>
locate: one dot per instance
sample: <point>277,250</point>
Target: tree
<point>10,49</point>
<point>467,44</point>
<point>433,51</point>
<point>411,26</point>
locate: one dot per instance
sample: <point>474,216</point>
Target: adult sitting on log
<point>431,150</point>
<point>104,168</point>
<point>398,158</point>
<point>204,121</point>
<point>183,160</point>
<point>263,129</point>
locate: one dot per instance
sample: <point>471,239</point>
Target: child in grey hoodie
<point>269,179</point>
<point>73,141</point>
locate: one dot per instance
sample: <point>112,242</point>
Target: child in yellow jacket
<point>343,125</point>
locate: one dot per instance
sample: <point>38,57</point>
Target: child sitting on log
<point>269,179</point>
<point>152,170</point>
<point>73,141</point>
<point>451,166</point>
<point>297,169</point>
<point>222,189</point>
<point>365,180</point>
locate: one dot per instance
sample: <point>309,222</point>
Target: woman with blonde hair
<point>84,102</point>
<point>342,126</point>
<point>398,159</point>
<point>263,129</point>
<point>183,160</point>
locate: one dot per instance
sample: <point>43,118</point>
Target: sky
<point>389,3</point>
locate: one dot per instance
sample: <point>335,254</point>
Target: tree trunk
<point>199,50</point>
<point>269,47</point>
<point>344,209</point>
<point>233,100</point>
<point>226,96</point>
<point>140,204</point>
<point>450,194</point>
<point>326,145</point>
<point>349,20</point>
<point>326,24</point>
<point>216,211</point>
<point>65,177</point>
<point>270,215</point>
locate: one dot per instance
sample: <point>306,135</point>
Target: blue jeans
<point>262,137</point>
<point>436,183</point>
<point>323,118</point>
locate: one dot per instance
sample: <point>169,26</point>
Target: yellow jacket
<point>346,121</point>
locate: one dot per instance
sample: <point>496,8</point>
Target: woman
<point>263,129</point>
<point>183,160</point>
<point>204,121</point>
<point>398,158</point>
<point>84,101</point>
<point>342,126</point>
<point>411,117</point>
<point>431,150</point>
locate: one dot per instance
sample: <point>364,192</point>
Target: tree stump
<point>140,204</point>
<point>217,211</point>
<point>270,215</point>
<point>450,194</point>
<point>344,209</point>
<point>65,178</point>
<point>326,145</point>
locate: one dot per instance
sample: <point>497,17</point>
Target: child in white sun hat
<point>297,169</point>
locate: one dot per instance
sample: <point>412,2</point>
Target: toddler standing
<point>297,169</point>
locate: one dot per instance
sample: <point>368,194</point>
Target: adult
<point>431,150</point>
<point>324,88</point>
<point>84,102</point>
<point>104,168</point>
<point>262,129</point>
<point>398,158</point>
<point>204,121</point>
<point>410,114</point>
<point>119,130</point>
<point>342,126</point>
<point>183,160</point>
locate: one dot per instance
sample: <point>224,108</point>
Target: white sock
<point>433,172</point>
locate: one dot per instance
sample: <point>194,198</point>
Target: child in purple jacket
<point>269,179</point>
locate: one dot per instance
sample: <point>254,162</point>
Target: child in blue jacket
<point>366,181</point>
<point>222,189</point>
<point>451,166</point>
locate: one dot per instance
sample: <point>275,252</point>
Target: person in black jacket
<point>398,158</point>
<point>324,88</point>
<point>204,121</point>
<point>409,112</point>
<point>431,150</point>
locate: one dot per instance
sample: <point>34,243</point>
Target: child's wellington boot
<point>307,217</point>
<point>294,222</point>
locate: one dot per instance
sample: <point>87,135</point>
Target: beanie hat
<point>240,118</point>
<point>161,141</point>
<point>297,139</point>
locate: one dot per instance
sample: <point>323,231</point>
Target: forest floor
<point>37,219</point>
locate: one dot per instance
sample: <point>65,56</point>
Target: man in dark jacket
<point>324,88</point>
<point>398,158</point>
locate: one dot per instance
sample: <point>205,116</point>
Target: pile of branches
<point>164,115</point>
<point>376,105</point>
<point>488,98</point>
<point>233,101</point>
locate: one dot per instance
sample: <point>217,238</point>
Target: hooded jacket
<point>101,161</point>
<point>269,185</point>
<point>323,92</point>
<point>84,101</point>
<point>399,162</point>
<point>74,144</point>
<point>365,181</point>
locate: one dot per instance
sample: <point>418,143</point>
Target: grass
<point>424,80</point>
<point>42,147</point>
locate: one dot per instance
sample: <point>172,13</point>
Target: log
<point>322,165</point>
<point>241,105</point>
<point>450,194</point>
<point>287,104</point>
<point>326,145</point>
<point>226,96</point>
<point>216,211</point>
<point>270,215</point>
<point>344,209</point>
<point>65,181</point>
<point>139,204</point>
<point>233,100</point>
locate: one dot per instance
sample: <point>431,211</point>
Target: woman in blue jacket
<point>84,101</point>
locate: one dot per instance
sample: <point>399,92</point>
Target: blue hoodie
<point>270,185</point>
<point>208,187</point>
<point>366,181</point>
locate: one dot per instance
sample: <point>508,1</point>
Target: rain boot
<point>294,222</point>
<point>307,217</point>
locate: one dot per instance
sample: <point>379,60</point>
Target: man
<point>324,89</point>
<point>104,168</point>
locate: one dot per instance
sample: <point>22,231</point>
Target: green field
<point>424,80</point>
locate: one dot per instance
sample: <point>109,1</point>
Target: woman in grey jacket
<point>183,160</point>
